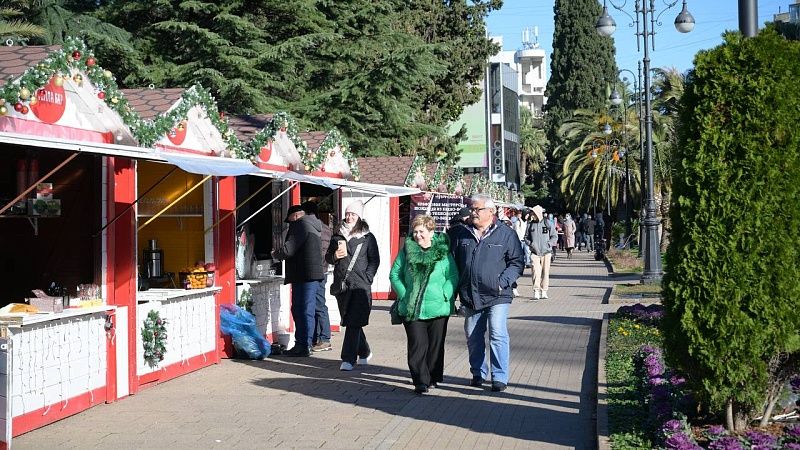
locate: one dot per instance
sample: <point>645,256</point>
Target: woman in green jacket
<point>424,277</point>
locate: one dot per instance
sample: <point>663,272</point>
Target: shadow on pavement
<point>389,390</point>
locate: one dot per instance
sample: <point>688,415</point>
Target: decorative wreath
<point>154,338</point>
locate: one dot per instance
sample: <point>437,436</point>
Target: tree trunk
<point>663,207</point>
<point>771,401</point>
<point>735,418</point>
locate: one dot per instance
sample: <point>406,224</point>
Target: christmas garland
<point>194,96</point>
<point>439,176</point>
<point>417,165</point>
<point>267,134</point>
<point>75,60</point>
<point>455,177</point>
<point>314,159</point>
<point>154,338</point>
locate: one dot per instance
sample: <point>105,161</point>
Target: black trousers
<point>426,350</point>
<point>354,344</point>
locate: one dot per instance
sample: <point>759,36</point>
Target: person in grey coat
<point>539,238</point>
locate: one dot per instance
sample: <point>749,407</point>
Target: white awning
<point>127,151</point>
<point>381,190</point>
<point>210,165</point>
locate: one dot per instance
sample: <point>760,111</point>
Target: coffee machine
<point>153,260</point>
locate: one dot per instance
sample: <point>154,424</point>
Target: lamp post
<point>605,148</point>
<point>616,99</point>
<point>646,19</point>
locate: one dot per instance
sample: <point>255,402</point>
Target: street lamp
<point>610,149</point>
<point>646,19</point>
<point>617,99</point>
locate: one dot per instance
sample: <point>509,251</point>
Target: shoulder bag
<point>339,288</point>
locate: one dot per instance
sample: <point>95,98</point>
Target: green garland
<point>418,163</point>
<point>267,134</point>
<point>75,59</point>
<point>314,159</point>
<point>166,122</point>
<point>438,176</point>
<point>154,338</point>
<point>455,177</point>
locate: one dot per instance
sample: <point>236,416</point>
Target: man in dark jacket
<point>321,339</point>
<point>301,250</point>
<point>490,259</point>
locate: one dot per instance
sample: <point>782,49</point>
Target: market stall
<point>58,347</point>
<point>184,235</point>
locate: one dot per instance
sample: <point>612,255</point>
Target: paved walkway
<point>309,403</point>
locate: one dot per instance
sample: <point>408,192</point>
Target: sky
<point>673,49</point>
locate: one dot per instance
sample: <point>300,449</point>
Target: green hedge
<point>732,293</point>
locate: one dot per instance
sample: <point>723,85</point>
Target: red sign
<point>178,134</point>
<point>266,152</point>
<point>50,102</point>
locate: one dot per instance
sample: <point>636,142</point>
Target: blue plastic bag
<point>240,325</point>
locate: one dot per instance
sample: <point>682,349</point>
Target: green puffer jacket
<point>425,281</point>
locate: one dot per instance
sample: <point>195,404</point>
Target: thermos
<point>153,260</point>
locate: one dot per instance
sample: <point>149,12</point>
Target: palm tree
<point>668,85</point>
<point>532,143</point>
<point>593,170</point>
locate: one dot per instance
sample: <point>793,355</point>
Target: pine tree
<point>582,65</point>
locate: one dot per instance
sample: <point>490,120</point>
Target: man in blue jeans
<point>301,250</point>
<point>490,259</point>
<point>321,340</point>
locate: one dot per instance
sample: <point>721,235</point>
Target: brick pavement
<point>309,403</point>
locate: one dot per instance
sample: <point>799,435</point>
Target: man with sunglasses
<point>489,259</point>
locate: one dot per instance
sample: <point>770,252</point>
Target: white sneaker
<point>536,294</point>
<point>516,292</point>
<point>544,294</point>
<point>364,361</point>
<point>346,366</point>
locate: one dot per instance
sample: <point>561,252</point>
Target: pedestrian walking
<point>590,225</point>
<point>424,277</point>
<point>354,253</point>
<point>321,338</point>
<point>552,222</point>
<point>302,250</point>
<point>539,237</point>
<point>569,235</point>
<point>489,259</point>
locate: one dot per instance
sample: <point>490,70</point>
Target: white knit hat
<point>357,208</point>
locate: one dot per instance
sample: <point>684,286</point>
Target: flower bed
<point>649,403</point>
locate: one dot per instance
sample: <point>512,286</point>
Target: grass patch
<point>625,260</point>
<point>643,289</point>
<point>627,412</point>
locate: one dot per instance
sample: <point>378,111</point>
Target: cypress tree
<point>582,66</point>
<point>730,290</point>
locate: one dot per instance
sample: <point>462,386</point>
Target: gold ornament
<point>33,101</point>
<point>3,110</point>
<point>58,80</point>
<point>78,78</point>
<point>2,101</point>
<point>114,100</point>
<point>24,93</point>
<point>107,74</point>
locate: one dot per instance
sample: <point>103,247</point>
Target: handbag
<point>394,314</point>
<point>339,288</point>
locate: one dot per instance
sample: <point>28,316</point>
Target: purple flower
<point>758,438</point>
<point>655,381</point>
<point>677,380</point>
<point>726,443</point>
<point>792,431</point>
<point>680,441</point>
<point>716,430</point>
<point>655,369</point>
<point>791,446</point>
<point>671,426</point>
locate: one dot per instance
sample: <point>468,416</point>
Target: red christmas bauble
<point>76,54</point>
<point>101,95</point>
<point>18,107</point>
<point>90,61</point>
<point>25,110</point>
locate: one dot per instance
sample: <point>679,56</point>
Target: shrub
<point>731,295</point>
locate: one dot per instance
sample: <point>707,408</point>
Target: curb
<point>603,438</point>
